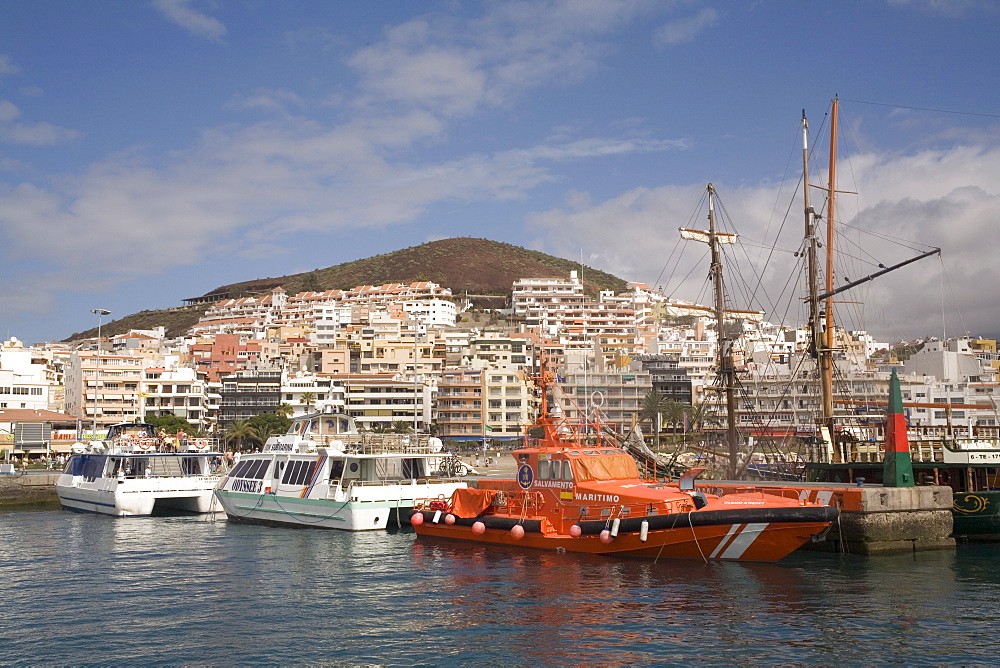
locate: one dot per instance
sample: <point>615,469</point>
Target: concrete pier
<point>28,489</point>
<point>873,519</point>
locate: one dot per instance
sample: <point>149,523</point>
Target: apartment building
<point>245,394</point>
<point>460,413</point>
<point>376,401</point>
<point>103,388</point>
<point>178,391</point>
<point>29,379</point>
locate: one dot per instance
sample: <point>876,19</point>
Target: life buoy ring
<point>144,444</point>
<point>201,444</point>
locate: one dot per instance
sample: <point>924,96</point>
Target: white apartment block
<point>103,388</point>
<point>510,403</point>
<point>176,390</point>
<point>379,400</point>
<point>321,390</point>
<point>28,379</point>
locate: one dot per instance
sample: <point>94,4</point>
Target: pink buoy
<point>478,528</point>
<point>605,536</point>
<point>417,518</point>
<point>449,519</point>
<point>517,532</point>
<point>575,531</point>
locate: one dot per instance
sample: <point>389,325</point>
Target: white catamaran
<point>131,473</point>
<point>325,473</point>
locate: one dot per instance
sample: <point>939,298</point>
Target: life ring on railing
<point>144,444</point>
<point>200,444</point>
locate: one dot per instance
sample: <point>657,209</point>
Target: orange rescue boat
<point>584,494</point>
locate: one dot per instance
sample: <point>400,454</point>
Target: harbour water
<point>87,590</point>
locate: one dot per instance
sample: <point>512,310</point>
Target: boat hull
<point>699,535</point>
<point>977,514</point>
<point>139,498</point>
<point>370,510</point>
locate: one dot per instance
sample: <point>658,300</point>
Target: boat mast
<point>821,345</point>
<point>826,352</point>
<point>726,369</point>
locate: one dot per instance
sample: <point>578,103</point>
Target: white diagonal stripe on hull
<point>749,534</point>
<point>724,541</point>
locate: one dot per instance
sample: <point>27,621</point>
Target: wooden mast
<point>726,368</point>
<point>826,351</point>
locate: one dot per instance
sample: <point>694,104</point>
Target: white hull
<point>138,496</point>
<point>366,509</point>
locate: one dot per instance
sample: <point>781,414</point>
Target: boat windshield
<point>605,467</point>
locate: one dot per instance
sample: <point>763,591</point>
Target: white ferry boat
<point>325,473</point>
<point>129,473</point>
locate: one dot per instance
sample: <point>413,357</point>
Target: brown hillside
<point>464,264</point>
<point>477,267</point>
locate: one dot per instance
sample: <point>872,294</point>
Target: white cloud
<point>948,8</point>
<point>456,67</point>
<point>7,65</point>
<point>940,198</point>
<point>197,23</point>
<point>34,134</point>
<point>681,31</point>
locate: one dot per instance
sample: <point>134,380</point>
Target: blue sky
<point>153,150</point>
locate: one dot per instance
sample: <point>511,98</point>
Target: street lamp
<point>100,313</point>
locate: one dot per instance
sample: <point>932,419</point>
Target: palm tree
<point>243,434</point>
<point>401,427</point>
<point>653,405</point>
<point>285,410</point>
<point>308,399</point>
<point>703,415</point>
<point>674,413</point>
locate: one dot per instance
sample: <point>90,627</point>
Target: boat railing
<point>523,502</point>
<point>921,449</point>
<point>140,445</point>
<point>374,444</point>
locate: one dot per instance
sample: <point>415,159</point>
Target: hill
<point>480,268</point>
<point>464,264</point>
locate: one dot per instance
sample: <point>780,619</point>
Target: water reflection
<point>105,591</point>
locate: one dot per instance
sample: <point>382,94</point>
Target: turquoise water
<point>87,590</point>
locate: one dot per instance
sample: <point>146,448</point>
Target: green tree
<point>653,405</point>
<point>674,413</point>
<point>242,435</point>
<point>285,410</point>
<point>308,399</point>
<point>172,424</point>
<point>402,427</point>
<point>269,424</point>
<point>703,415</point>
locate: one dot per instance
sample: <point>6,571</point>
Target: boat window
<point>298,473</point>
<point>237,472</point>
<point>567,471</point>
<point>543,469</point>
<point>258,470</point>
<point>336,469</point>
